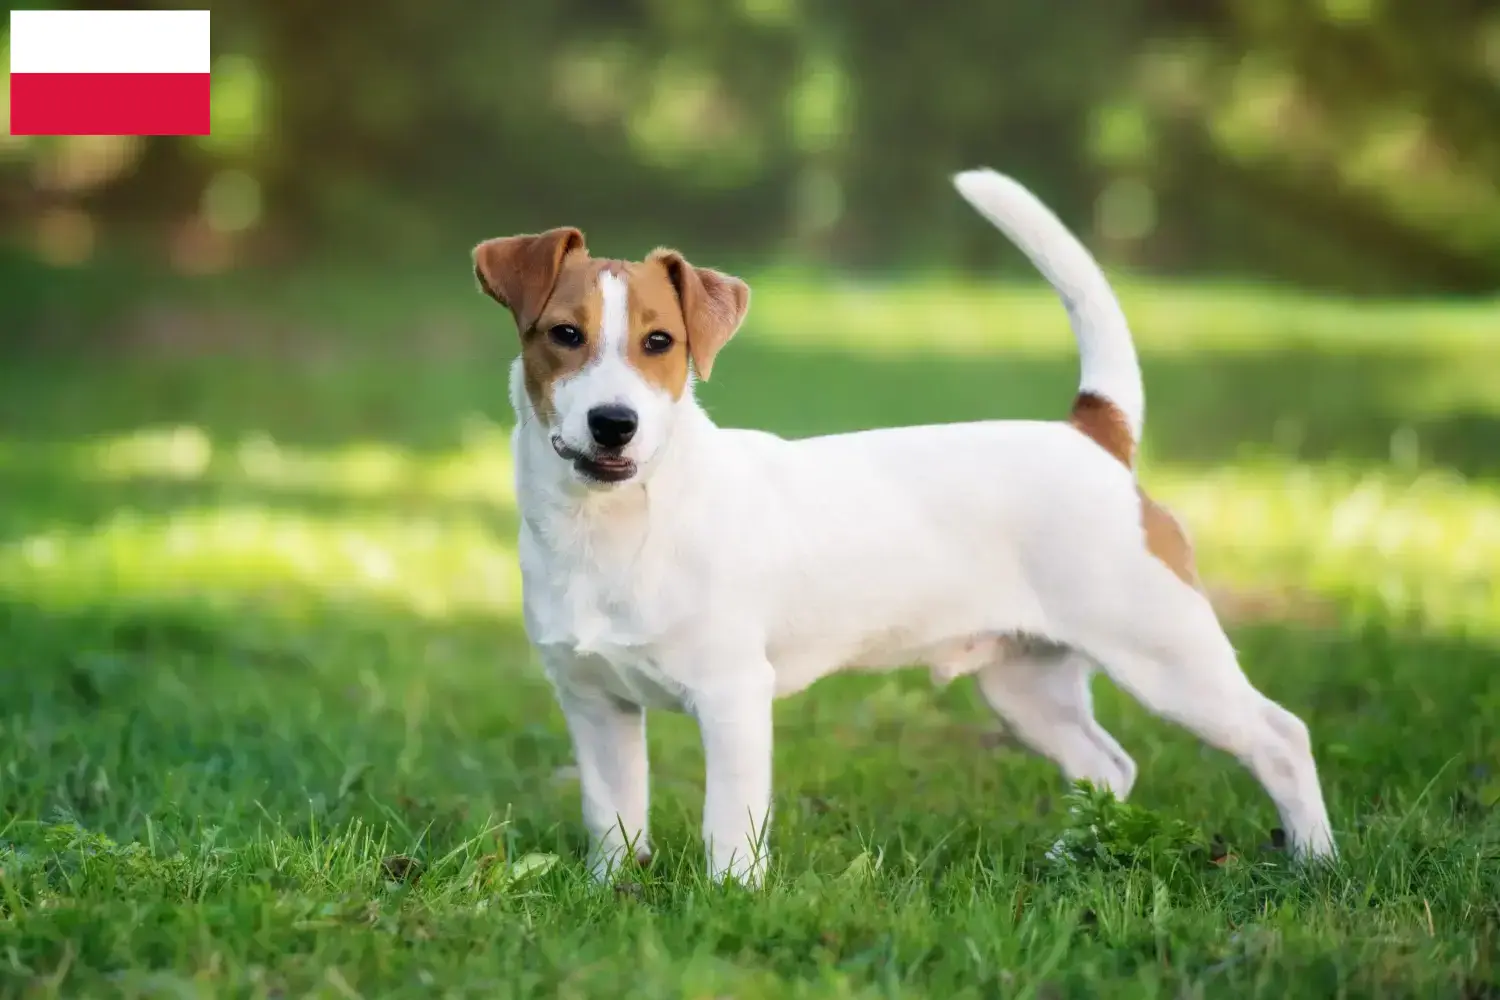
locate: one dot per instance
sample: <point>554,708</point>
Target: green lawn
<point>259,646</point>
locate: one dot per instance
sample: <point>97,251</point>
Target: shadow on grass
<point>153,720</point>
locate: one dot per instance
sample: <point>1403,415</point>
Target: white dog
<point>671,563</point>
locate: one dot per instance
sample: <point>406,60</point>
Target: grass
<point>269,726</point>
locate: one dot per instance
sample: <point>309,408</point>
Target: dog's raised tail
<point>1111,402</point>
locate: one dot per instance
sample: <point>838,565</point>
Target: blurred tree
<point>1343,143</point>
<point>1355,140</point>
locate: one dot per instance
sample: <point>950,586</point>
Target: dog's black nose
<point>612,426</point>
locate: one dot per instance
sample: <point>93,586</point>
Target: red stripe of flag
<point>109,103</point>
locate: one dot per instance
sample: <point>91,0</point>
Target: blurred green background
<point>1347,144</point>
<point>258,592</point>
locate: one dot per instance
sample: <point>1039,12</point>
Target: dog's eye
<point>658,342</point>
<point>566,335</point>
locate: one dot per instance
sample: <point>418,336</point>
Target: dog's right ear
<point>519,271</point>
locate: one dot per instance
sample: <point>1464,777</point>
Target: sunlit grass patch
<point>1421,549</point>
<point>479,469</point>
<point>217,555</point>
<point>271,523</point>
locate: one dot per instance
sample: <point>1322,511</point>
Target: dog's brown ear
<point>713,306</point>
<point>519,271</point>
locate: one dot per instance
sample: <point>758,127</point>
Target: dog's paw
<point>605,864</point>
<point>747,871</point>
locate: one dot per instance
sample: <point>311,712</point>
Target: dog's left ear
<point>713,306</point>
<point>519,272</point>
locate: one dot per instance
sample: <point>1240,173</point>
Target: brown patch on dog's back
<point>1167,541</point>
<point>1103,423</point>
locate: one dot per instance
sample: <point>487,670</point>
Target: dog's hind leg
<point>1158,638</point>
<point>1042,693</point>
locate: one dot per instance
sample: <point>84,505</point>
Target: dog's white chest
<point>596,628</point>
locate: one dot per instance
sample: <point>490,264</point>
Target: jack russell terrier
<point>671,563</point>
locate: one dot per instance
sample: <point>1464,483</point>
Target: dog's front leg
<point>609,743</point>
<point>735,722</point>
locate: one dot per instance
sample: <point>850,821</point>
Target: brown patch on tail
<point>1103,423</point>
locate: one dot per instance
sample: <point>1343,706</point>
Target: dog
<point>668,562</point>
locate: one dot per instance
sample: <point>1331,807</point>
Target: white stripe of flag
<point>111,72</point>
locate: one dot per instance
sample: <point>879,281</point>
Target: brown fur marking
<point>1103,423</point>
<point>520,272</point>
<point>1167,541</point>
<point>653,306</point>
<point>549,279</point>
<point>713,305</point>
<point>576,301</point>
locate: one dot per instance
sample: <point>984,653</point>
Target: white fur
<point>738,567</point>
<point>1110,368</point>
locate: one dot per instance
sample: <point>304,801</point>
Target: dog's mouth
<point>599,468</point>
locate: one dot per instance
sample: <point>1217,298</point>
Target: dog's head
<point>606,344</point>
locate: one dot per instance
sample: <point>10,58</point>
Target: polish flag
<point>109,72</point>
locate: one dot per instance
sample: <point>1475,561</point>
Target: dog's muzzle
<point>599,468</point>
